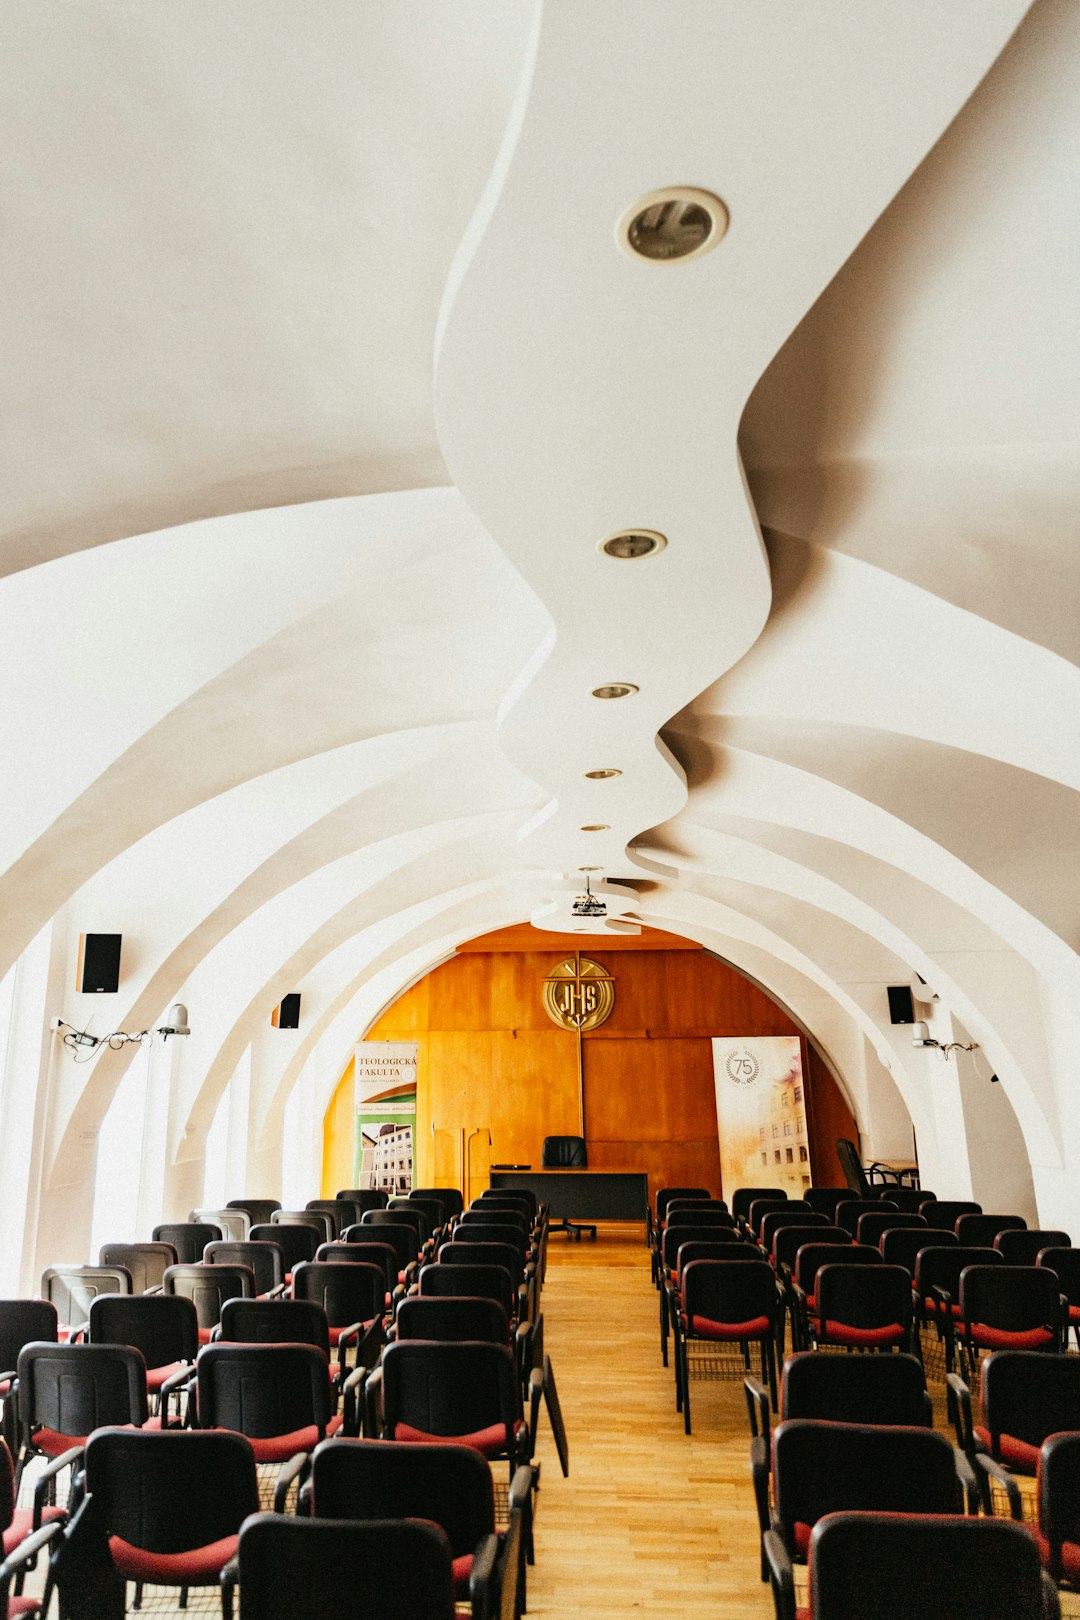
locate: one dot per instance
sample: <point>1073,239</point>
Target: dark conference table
<point>587,1195</point>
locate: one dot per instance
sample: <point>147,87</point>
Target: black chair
<point>22,1321</point>
<point>945,1212</point>
<point>724,1303</point>
<point>1023,1248</point>
<point>1065,1264</point>
<point>980,1231</point>
<point>1059,1500</point>
<point>757,1209</point>
<point>901,1245</point>
<point>353,1298</point>
<point>743,1197</point>
<point>1009,1308</point>
<point>451,1319</point>
<point>145,1263</point>
<point>482,1281</point>
<point>163,1328</point>
<point>1026,1397</point>
<point>849,1215</point>
<point>864,1307</point>
<point>402,1215</point>
<point>298,1241</point>
<point>680,1247</point>
<point>864,1178</point>
<point>277,1395</point>
<point>453,1201</point>
<point>366,1197</point>
<point>208,1288</point>
<point>188,1238</point>
<point>820,1468</point>
<point>825,1200</point>
<point>865,1566</point>
<point>72,1288</point>
<point>399,1235</point>
<point>429,1205</point>
<point>231,1223</point>
<point>936,1286</point>
<point>265,1260</point>
<point>307,1569</point>
<point>257,1210</point>
<point>908,1199</point>
<point>844,1389</point>
<point>324,1226</point>
<point>664,1195</point>
<point>333,1208</point>
<point>381,1255</point>
<point>872,1227</point>
<point>161,1508</point>
<point>450,1486</point>
<point>276,1321</point>
<point>567,1153</point>
<point>793,1214</point>
<point>65,1391</point>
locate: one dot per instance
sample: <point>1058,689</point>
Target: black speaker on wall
<point>98,972</point>
<point>287,1014</point>
<point>901,1004</point>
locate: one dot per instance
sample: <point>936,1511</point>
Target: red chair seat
<point>703,1327</point>
<point>54,1444</point>
<point>204,1335</point>
<point>23,1605</point>
<point>22,1523</point>
<point>461,1569</point>
<point>1015,1454</point>
<point>992,1338</point>
<point>489,1442</point>
<point>156,1376</point>
<point>336,1332</point>
<point>278,1448</point>
<point>1070,1555</point>
<point>1074,1316</point>
<point>201,1566</point>
<point>842,1333</point>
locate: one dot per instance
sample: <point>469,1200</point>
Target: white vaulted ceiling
<point>324,377</point>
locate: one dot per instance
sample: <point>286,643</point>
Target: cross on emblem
<point>579,994</point>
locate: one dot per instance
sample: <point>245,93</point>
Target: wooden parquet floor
<point>650,1521</point>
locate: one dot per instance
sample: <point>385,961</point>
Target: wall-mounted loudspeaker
<point>901,1004</point>
<point>98,972</point>
<point>287,1015</point>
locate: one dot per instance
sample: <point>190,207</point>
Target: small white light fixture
<point>176,1023</point>
<point>590,868</point>
<point>602,776</point>
<point>597,826</point>
<point>673,224</point>
<point>630,545</point>
<point>615,689</point>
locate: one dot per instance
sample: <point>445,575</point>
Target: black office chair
<point>567,1153</point>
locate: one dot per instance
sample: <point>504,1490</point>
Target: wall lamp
<point>176,1023</point>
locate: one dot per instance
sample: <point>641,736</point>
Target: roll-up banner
<point>761,1113</point>
<point>385,1093</point>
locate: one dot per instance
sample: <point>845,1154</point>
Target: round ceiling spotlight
<point>615,689</point>
<point>677,222</point>
<point>631,544</point>
<point>602,776</point>
<point>597,826</point>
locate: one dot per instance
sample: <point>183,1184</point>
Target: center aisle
<point>651,1521</point>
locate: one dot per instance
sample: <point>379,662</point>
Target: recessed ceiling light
<point>676,222</point>
<point>630,544</point>
<point>602,776</point>
<point>615,689</point>
<point>597,826</point>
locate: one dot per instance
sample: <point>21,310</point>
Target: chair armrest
<point>372,1401</point>
<point>172,1386</point>
<point>353,1391</point>
<point>297,1467</point>
<point>25,1556</point>
<point>482,1595</point>
<point>520,1494</point>
<point>229,1578</point>
<point>994,1470</point>
<point>536,1395</point>
<point>958,1400</point>
<point>781,1575</point>
<point>965,1473</point>
<point>757,1405</point>
<point>759,1473</point>
<point>278,1291</point>
<point>41,1485</point>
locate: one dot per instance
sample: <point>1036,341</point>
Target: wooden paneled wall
<point>491,1059</point>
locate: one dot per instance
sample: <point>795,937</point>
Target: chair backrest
<point>1010,1299</point>
<point>333,1208</point>
<point>864,1566</point>
<point>721,1291</point>
<point>437,1390</point>
<point>820,1467</point>
<point>398,1234</point>
<point>451,1486</point>
<point>699,1214</point>
<point>855,1389</point>
<point>232,1223</point>
<point>164,1328</point>
<point>872,1225</point>
<point>900,1245</point>
<point>908,1199</point>
<point>825,1199</point>
<point>795,1214</point>
<point>713,1249</point>
<point>266,1260</point>
<point>701,1205</point>
<point>1023,1248</point>
<point>365,1197</point>
<point>743,1198</point>
<point>298,1242</point>
<point>1065,1264</point>
<point>454,1203</point>
<point>324,1226</point>
<point>188,1238</point>
<point>346,1292</point>
<point>851,1165</point>
<point>564,1153</point>
<point>979,1231</point>
<point>1028,1396</point>
<point>257,1210</point>
<point>208,1287</point>
<point>25,1321</point>
<point>428,1204</point>
<point>494,1232</point>
<point>144,1262</point>
<point>482,1254</point>
<point>275,1321</point>
<point>1059,1495</point>
<point>76,1388</point>
<point>169,1490</point>
<point>350,1212</point>
<point>381,1255</point>
<point>939,1265</point>
<point>848,1215</point>
<point>496,1215</point>
<point>871,1299</point>
<point>452,1318</point>
<point>263,1390</point>
<point>307,1569</point>
<point>504,1198</point>
<point>810,1257</point>
<point>759,1206</point>
<point>665,1195</point>
<point>945,1212</point>
<point>71,1288</point>
<point>677,1237</point>
<point>788,1240</point>
<point>485,1282</point>
<point>401,1213</point>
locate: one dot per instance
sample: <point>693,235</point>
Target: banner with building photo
<point>761,1113</point>
<point>385,1093</point>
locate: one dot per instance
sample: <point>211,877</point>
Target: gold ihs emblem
<point>579,994</point>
